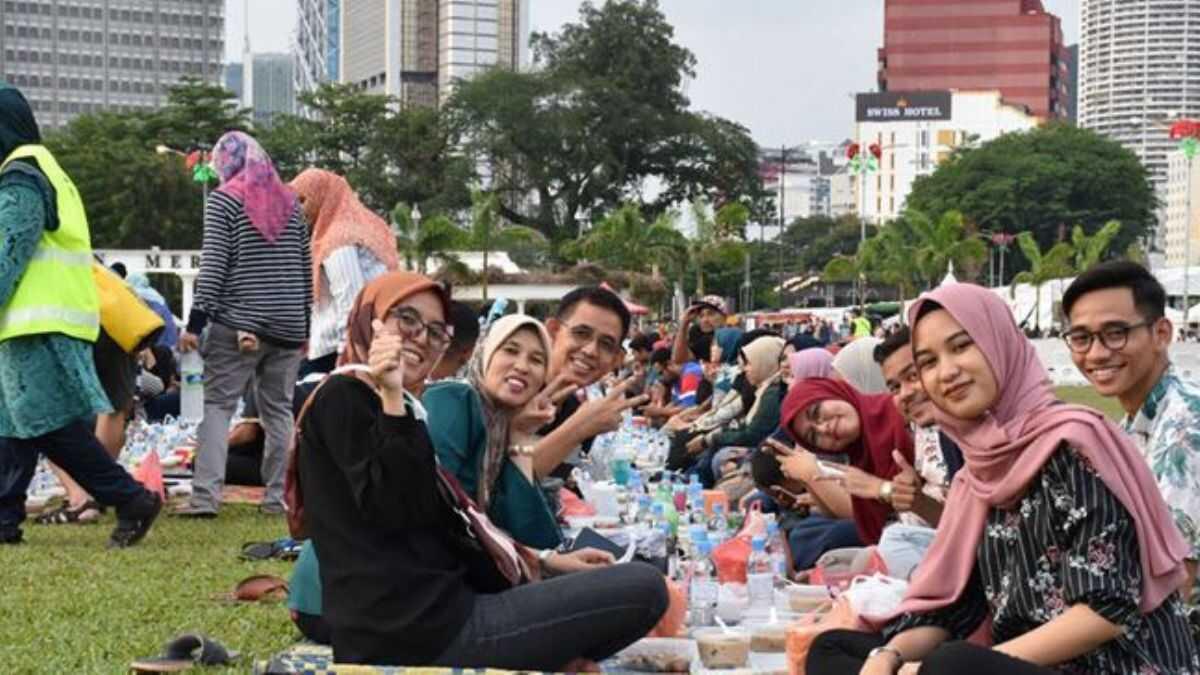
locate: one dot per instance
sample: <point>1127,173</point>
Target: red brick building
<point>1014,46</point>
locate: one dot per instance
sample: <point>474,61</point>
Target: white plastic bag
<point>876,595</point>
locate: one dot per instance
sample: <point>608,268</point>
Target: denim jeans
<point>545,625</point>
<point>903,547</point>
<point>816,534</point>
<point>75,449</point>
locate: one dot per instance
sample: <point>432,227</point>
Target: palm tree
<point>717,238</point>
<point>885,258</point>
<point>1043,267</point>
<point>624,240</point>
<point>420,240</point>
<point>486,234</point>
<point>937,244</point>
<point>1089,250</point>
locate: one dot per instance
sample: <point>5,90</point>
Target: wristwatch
<point>887,650</point>
<point>885,492</point>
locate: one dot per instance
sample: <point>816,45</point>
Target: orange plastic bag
<point>732,556</point>
<point>803,631</point>
<point>149,474</point>
<point>572,505</point>
<point>671,623</point>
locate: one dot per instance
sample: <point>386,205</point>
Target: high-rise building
<point>268,86</point>
<point>1139,66</point>
<point>318,43</point>
<point>1011,46</point>
<point>71,57</point>
<point>414,50</point>
<point>1181,201</point>
<point>917,131</point>
<point>232,78</point>
<point>1073,83</point>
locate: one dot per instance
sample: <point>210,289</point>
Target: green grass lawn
<point>70,606</point>
<point>1088,396</point>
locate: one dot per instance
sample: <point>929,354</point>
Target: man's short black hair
<point>1148,294</point>
<point>466,326</point>
<point>600,297</point>
<point>120,269</point>
<point>660,356</point>
<point>891,344</point>
<point>643,343</point>
<point>765,469</point>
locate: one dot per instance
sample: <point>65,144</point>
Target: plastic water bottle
<point>760,577</point>
<point>775,549</point>
<point>191,388</point>
<point>703,588</point>
<point>718,527</point>
<point>696,514</point>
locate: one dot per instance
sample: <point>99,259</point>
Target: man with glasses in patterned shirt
<point>587,334</point>
<point>1119,337</point>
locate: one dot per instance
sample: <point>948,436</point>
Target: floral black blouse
<point>1069,541</point>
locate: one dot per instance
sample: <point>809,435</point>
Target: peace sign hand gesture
<point>604,414</point>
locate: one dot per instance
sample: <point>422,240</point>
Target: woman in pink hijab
<point>1055,546</point>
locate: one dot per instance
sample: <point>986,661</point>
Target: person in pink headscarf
<point>806,363</point>
<point>250,316</point>
<point>1055,545</point>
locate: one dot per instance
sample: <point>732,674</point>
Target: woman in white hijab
<point>855,364</point>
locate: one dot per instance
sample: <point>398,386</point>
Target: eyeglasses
<point>1113,336</point>
<point>584,335</point>
<point>412,325</point>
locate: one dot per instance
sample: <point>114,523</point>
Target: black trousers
<point>843,651</point>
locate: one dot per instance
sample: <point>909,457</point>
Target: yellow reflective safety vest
<point>57,293</point>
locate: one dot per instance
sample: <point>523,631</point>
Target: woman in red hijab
<point>1055,545</point>
<point>832,417</point>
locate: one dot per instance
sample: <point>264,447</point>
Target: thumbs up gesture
<point>386,359</point>
<point>906,485</point>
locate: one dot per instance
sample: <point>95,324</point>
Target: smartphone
<point>830,470</point>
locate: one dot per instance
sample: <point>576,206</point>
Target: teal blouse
<point>46,381</point>
<point>459,435</point>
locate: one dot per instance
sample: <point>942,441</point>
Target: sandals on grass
<point>184,653</point>
<point>86,514</point>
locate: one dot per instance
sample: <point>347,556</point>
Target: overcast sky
<point>783,68</point>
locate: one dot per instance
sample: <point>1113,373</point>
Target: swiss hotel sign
<point>900,106</point>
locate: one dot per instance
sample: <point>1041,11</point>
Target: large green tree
<point>388,153</point>
<point>812,242</point>
<point>1043,181</point>
<point>603,113</point>
<point>136,198</point>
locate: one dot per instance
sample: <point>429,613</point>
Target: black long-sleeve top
<point>1069,541</point>
<point>394,587</point>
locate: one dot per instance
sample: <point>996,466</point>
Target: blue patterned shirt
<point>1167,430</point>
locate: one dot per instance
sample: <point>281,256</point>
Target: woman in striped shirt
<point>253,295</point>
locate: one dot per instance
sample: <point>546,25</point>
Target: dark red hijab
<point>883,429</point>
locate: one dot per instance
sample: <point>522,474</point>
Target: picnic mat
<point>311,659</point>
<point>241,494</point>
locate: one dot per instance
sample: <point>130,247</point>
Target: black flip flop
<point>185,652</point>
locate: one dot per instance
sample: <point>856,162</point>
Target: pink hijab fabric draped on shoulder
<point>248,175</point>
<point>1007,448</point>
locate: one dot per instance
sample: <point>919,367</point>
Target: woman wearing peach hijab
<point>1055,545</point>
<point>351,245</point>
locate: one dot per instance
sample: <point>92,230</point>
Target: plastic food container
<point>768,637</point>
<point>720,648</point>
<point>805,598</point>
<point>655,655</point>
